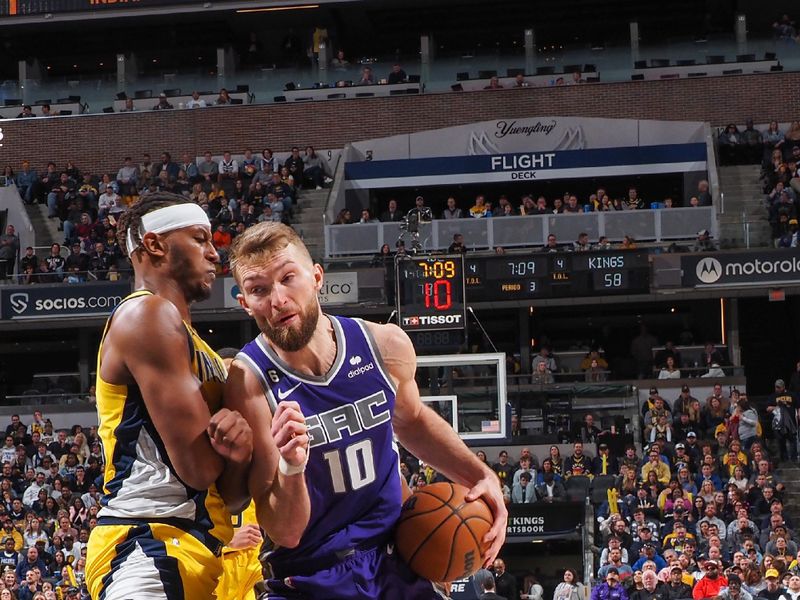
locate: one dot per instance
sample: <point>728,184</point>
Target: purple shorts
<point>377,573</point>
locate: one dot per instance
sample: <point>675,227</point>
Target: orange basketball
<point>440,535</point>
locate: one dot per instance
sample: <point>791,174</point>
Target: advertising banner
<point>543,520</point>
<point>79,300</point>
<point>337,288</point>
<point>737,269</point>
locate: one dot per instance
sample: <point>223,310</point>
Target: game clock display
<point>556,275</point>
<point>430,292</point>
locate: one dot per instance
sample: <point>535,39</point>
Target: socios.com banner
<point>84,300</point>
<point>737,268</point>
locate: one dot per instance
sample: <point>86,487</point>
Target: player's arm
<point>423,433</point>
<point>283,507</point>
<point>149,341</point>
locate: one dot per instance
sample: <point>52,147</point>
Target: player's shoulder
<point>145,318</point>
<point>388,336</point>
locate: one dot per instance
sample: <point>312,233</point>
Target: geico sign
<point>335,288</point>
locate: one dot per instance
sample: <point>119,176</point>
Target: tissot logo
<point>709,270</point>
<point>19,302</point>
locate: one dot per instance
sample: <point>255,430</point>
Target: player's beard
<point>292,339</point>
<point>180,265</point>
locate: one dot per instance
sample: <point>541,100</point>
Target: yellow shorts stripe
<point>149,562</point>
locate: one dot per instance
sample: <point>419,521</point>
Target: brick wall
<point>99,142</point>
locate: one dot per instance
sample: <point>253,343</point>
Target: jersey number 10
<point>360,466</point>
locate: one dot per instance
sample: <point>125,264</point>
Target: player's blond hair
<point>259,242</point>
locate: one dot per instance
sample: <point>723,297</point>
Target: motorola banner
<point>736,268</point>
<point>79,300</point>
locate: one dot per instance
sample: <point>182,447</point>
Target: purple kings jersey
<point>352,474</point>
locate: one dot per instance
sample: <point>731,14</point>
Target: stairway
<point>789,474</point>
<point>308,221</point>
<point>45,230</point>
<point>743,204</point>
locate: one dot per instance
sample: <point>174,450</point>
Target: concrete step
<point>45,229</point>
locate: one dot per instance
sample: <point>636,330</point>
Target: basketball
<point>440,535</point>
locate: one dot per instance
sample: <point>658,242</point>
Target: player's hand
<point>248,536</point>
<point>488,489</point>
<point>290,433</point>
<point>231,436</point>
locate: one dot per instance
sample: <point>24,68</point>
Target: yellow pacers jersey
<point>139,481</point>
<point>241,568</point>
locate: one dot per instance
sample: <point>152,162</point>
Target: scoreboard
<point>430,292</point>
<point>556,275</point>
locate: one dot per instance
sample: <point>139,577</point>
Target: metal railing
<point>658,225</point>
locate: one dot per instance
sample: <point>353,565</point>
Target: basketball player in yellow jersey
<point>240,564</point>
<point>163,522</point>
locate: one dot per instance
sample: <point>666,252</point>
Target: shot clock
<point>430,292</point>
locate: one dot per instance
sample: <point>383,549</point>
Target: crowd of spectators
<point>702,514</point>
<point>780,180</point>
<point>569,203</point>
<point>236,194</point>
<point>49,505</point>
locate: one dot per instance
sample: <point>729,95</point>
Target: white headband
<point>169,218</point>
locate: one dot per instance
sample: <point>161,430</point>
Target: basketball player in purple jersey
<point>354,383</point>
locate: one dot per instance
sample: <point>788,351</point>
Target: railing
<point>515,232</point>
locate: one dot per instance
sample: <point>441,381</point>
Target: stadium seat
<point>122,96</point>
<point>242,88</point>
<point>141,94</point>
<point>237,101</point>
<point>74,98</point>
<point>685,62</point>
<point>414,79</point>
<point>462,76</point>
<point>659,62</point>
<point>514,72</point>
<point>545,70</point>
<point>600,486</point>
<point>457,87</point>
<point>770,56</point>
<point>572,68</point>
<point>715,59</point>
<point>43,102</point>
<point>173,92</point>
<point>63,101</point>
<point>640,64</point>
<point>590,68</point>
<point>577,487</point>
<point>488,74</point>
<point>745,57</point>
<point>108,109</point>
<point>12,102</point>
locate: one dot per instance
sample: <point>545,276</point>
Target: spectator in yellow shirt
<point>655,464</point>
